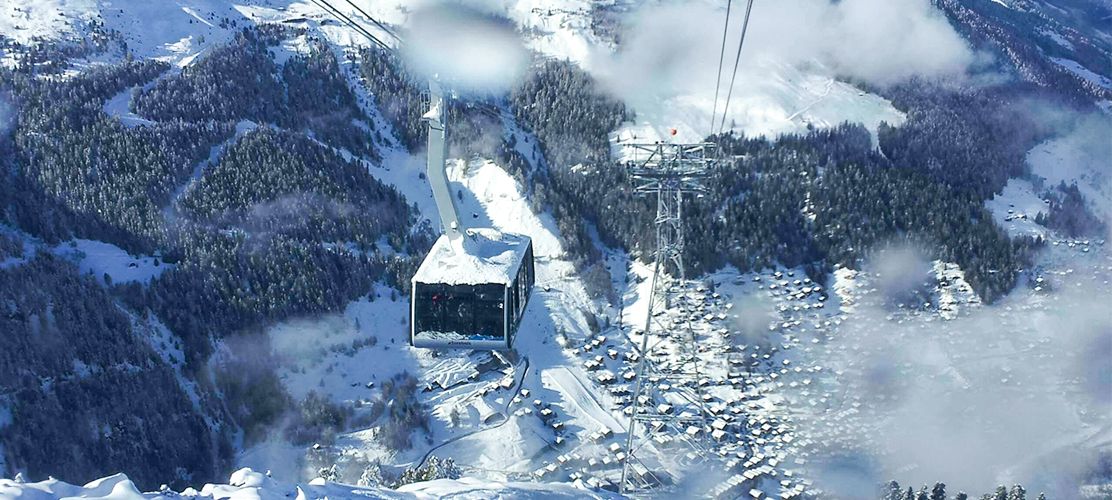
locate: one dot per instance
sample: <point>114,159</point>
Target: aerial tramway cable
<point>343,18</point>
<point>721,59</point>
<point>381,26</point>
<point>737,60</point>
<point>336,13</point>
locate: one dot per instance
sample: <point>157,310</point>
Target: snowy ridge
<point>25,21</point>
<point>1083,72</point>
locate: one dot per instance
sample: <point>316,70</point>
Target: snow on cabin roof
<point>490,257</point>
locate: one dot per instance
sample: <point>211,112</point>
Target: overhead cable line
<point>343,18</point>
<point>721,59</point>
<point>737,60</point>
<point>381,26</point>
<point>485,108</point>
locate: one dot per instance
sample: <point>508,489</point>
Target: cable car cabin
<point>472,294</point>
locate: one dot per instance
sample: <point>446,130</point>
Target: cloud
<point>465,47</point>
<point>667,61</point>
<point>877,41</point>
<point>752,316</point>
<point>1018,392</point>
<point>1092,149</point>
<point>902,271</point>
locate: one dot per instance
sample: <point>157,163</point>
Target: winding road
<point>505,411</point>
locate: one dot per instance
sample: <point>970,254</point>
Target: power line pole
<point>667,397</point>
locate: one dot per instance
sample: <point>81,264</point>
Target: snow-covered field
<point>248,484</point>
<point>1082,154</point>
<point>97,258</point>
<point>784,100</point>
<point>1016,207</point>
<point>23,21</point>
<point>105,259</point>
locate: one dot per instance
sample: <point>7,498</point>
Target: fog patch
<point>903,274</point>
<point>676,47</point>
<point>1012,393</point>
<point>327,331</point>
<point>754,313</point>
<point>468,49</point>
<point>475,134</point>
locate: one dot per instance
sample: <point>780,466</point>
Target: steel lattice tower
<point>667,396</point>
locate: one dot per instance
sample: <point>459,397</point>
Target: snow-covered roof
<point>490,256</point>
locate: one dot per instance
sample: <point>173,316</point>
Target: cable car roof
<point>490,256</point>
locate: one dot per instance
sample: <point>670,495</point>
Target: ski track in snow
<point>118,107</point>
<point>243,127</point>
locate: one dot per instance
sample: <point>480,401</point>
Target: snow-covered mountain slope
<point>26,21</point>
<point>477,411</point>
<point>107,261</point>
<point>784,99</point>
<point>248,484</point>
<point>1064,45</point>
<point>791,386</point>
<point>775,95</point>
<point>1079,155</point>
